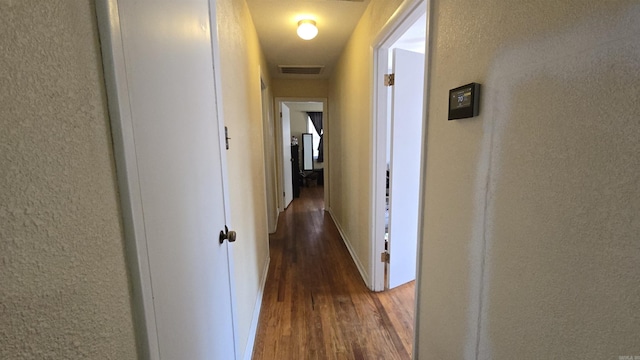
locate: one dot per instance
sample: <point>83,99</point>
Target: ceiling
<point>276,22</point>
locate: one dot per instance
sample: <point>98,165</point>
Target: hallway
<point>315,304</point>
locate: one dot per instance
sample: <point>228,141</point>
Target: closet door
<point>172,150</point>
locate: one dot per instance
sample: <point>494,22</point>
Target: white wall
<point>299,88</point>
<point>531,246</point>
<point>299,121</point>
<point>349,140</point>
<point>64,288</point>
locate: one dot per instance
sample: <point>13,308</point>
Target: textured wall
<point>349,139</point>
<point>531,245</point>
<point>64,292</point>
<point>242,60</point>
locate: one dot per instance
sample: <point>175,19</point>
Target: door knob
<point>227,235</point>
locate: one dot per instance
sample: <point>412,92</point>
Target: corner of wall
<point>354,255</point>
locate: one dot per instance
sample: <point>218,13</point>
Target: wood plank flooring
<point>315,304</point>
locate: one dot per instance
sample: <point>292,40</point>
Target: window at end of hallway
<point>316,137</point>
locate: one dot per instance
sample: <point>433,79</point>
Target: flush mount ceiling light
<point>307,29</point>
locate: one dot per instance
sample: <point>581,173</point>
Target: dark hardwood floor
<point>316,305</point>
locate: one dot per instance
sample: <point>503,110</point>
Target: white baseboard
<point>347,243</point>
<point>248,351</point>
<point>275,228</point>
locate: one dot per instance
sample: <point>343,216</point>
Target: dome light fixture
<point>307,29</point>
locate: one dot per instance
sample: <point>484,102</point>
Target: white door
<point>286,155</point>
<point>406,148</point>
<point>169,66</point>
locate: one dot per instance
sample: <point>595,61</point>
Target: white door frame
<point>279,141</point>
<point>287,156</point>
<point>269,138</point>
<point>113,58</point>
<point>408,12</point>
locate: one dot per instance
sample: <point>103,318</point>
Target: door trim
<point>408,12</point>
<point>115,77</point>
<point>268,142</point>
<point>380,66</point>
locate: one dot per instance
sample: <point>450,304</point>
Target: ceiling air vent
<point>301,69</point>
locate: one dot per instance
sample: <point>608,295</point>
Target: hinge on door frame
<point>226,137</point>
<point>389,79</point>
<point>385,257</point>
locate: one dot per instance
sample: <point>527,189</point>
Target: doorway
<point>398,143</point>
<point>295,122</point>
